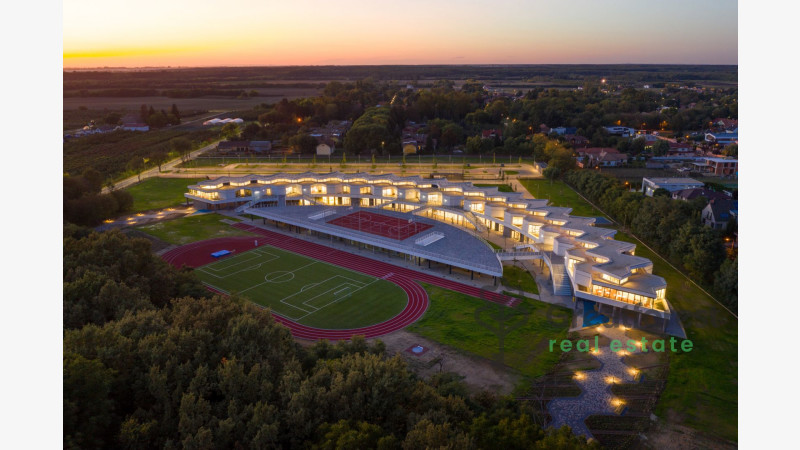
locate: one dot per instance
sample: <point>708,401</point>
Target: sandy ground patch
<point>479,373</point>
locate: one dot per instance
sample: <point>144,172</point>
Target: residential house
<point>494,133</point>
<point>576,140</point>
<point>564,130</point>
<point>726,124</point>
<point>717,166</point>
<point>680,148</point>
<point>410,147</point>
<point>244,147</point>
<point>621,131</point>
<point>650,185</point>
<point>723,138</point>
<point>606,159</point>
<point>719,212</point>
<point>691,194</point>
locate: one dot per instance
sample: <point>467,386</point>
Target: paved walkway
<point>136,219</point>
<point>596,397</point>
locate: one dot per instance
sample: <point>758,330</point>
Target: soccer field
<point>307,291</point>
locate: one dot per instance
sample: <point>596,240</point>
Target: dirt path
<point>478,373</point>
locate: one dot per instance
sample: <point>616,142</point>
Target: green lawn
<point>560,194</point>
<point>500,187</point>
<point>158,193</point>
<point>517,278</point>
<point>308,291</point>
<point>702,386</point>
<point>192,228</point>
<point>475,326</point>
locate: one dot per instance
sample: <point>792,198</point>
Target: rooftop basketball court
<point>386,226</point>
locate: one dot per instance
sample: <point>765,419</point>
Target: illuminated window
<point>516,221</point>
<point>346,189</point>
<point>367,190</point>
<point>608,277</point>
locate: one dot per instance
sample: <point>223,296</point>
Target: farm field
<point>307,291</point>
<point>266,95</point>
<point>157,193</point>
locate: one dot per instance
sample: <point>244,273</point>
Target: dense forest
<point>152,360</point>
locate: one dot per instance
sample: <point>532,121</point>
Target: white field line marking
<point>335,300</point>
<point>213,266</point>
<point>289,271</point>
<point>216,288</point>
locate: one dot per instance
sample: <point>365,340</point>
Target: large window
<point>318,189</point>
<point>623,296</point>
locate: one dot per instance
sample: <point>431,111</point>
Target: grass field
<point>476,326</point>
<point>560,194</point>
<point>192,228</point>
<point>305,290</point>
<point>702,386</point>
<point>500,187</point>
<point>517,278</point>
<point>157,193</point>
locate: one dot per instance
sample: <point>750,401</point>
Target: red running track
<point>199,253</point>
<point>370,266</point>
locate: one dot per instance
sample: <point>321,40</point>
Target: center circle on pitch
<point>280,276</point>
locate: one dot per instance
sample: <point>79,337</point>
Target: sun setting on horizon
<point>305,32</point>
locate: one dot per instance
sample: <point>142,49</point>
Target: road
<point>154,172</point>
<point>239,169</point>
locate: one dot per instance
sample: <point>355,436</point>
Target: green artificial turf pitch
<point>307,291</point>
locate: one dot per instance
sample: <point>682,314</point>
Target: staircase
<point>471,218</point>
<point>558,271</point>
<point>245,206</point>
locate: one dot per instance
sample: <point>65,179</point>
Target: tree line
<point>85,205</point>
<point>672,227</point>
<point>151,359</point>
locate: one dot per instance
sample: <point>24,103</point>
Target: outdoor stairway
<point>311,200</point>
<point>561,281</point>
<point>249,204</point>
<point>470,217</point>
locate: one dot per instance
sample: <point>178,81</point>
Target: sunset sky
<point>314,32</point>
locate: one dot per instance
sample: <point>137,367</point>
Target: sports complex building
<point>435,221</point>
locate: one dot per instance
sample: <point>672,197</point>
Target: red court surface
<point>386,226</point>
<point>199,253</point>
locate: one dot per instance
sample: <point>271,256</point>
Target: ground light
<point>595,351</point>
<point>617,402</point>
<point>611,380</point>
<point>633,371</point>
<point>580,376</point>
